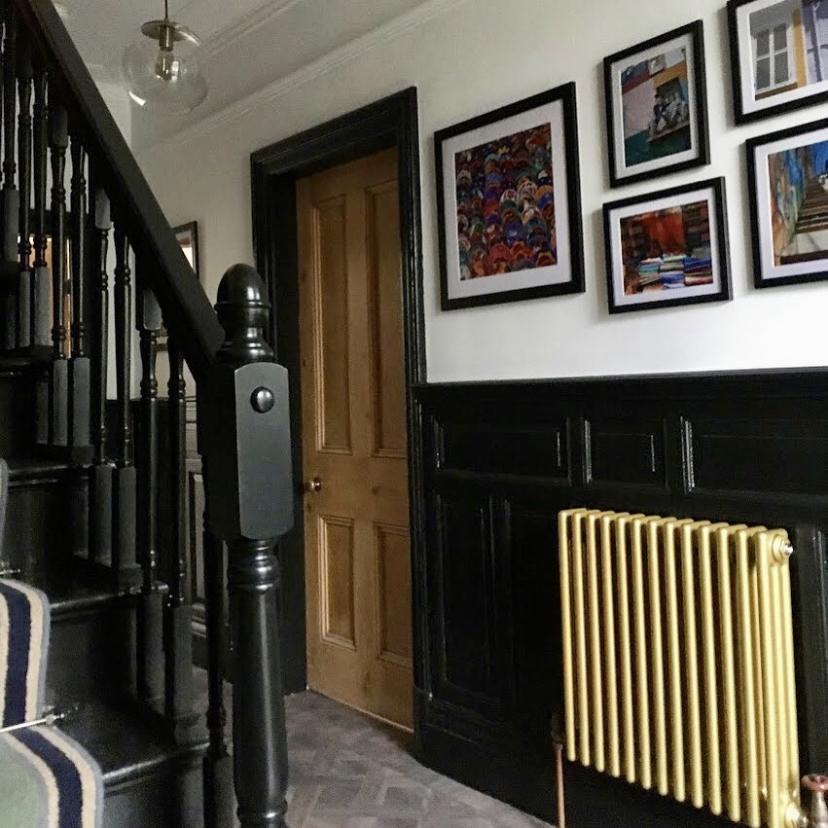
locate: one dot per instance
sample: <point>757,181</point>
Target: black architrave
<point>390,122</point>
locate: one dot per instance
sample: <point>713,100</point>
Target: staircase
<point>97,486</point>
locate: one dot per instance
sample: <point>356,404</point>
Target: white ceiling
<point>248,43</point>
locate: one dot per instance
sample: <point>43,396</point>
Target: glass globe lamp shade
<point>162,71</point>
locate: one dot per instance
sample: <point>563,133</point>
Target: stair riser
<point>168,797</point>
<point>16,406</point>
<point>87,656</point>
<point>46,521</point>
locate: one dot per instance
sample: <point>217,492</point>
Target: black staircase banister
<point>187,310</point>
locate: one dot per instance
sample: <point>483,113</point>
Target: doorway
<point>388,126</point>
<point>357,568</point>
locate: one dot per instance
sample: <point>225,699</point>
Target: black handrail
<point>187,310</point>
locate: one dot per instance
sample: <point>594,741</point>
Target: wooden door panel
<point>394,594</point>
<point>331,327</point>
<point>353,407</point>
<point>336,572</point>
<point>386,321</point>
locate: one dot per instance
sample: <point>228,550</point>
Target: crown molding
<point>231,35</point>
<point>338,57</point>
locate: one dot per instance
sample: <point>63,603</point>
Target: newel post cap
<point>243,311</point>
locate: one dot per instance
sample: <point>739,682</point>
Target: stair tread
<point>71,590</point>
<point>11,365</point>
<point>22,468</point>
<point>124,745</point>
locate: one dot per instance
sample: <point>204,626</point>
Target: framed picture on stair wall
<point>668,248</point>
<point>788,175</point>
<point>509,203</point>
<point>656,102</point>
<point>187,237</point>
<point>779,54</point>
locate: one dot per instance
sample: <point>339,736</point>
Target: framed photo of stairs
<point>788,175</point>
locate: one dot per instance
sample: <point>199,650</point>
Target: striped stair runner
<point>47,780</point>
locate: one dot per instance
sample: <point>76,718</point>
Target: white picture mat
<point>746,60</point>
<point>620,299</point>
<point>621,168</point>
<point>561,273</point>
<point>769,269</point>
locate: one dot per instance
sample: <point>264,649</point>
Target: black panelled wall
<point>501,459</point>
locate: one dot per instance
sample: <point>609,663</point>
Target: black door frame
<point>390,122</point>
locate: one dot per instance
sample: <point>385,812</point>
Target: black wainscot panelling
<point>784,457</point>
<point>627,452</point>
<point>501,460</point>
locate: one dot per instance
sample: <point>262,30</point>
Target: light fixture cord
<point>166,10</point>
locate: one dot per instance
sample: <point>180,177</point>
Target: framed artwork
<point>187,236</point>
<point>509,203</point>
<point>788,187</point>
<point>656,99</point>
<point>668,248</point>
<point>779,52</point>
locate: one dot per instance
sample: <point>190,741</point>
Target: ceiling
<point>248,44</point>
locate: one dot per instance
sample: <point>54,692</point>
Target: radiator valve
<point>816,813</point>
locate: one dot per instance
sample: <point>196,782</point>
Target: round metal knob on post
<point>262,400</point>
<point>314,486</point>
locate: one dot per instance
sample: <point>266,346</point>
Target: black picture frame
<point>698,154</point>
<point>187,237</point>
<point>763,195</point>
<point>719,289</point>
<point>560,100</point>
<point>750,108</point>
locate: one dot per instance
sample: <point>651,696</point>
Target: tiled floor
<point>348,771</point>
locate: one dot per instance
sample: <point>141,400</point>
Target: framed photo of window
<point>779,55</point>
<point>509,203</point>
<point>788,188</point>
<point>187,237</point>
<point>656,100</point>
<point>668,248</point>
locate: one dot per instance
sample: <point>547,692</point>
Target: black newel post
<point>244,437</point>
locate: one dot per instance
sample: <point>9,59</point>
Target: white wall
<point>120,106</point>
<point>474,56</point>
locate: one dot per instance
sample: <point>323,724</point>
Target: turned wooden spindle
<point>100,477</point>
<point>59,390</point>
<point>80,375</point>
<point>217,766</point>
<point>10,196</point>
<point>151,602</point>
<point>178,612</point>
<point>41,278</point>
<point>25,299</point>
<point>124,483</point>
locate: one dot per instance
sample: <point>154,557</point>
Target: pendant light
<point>161,69</point>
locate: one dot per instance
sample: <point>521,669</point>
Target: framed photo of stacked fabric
<point>656,102</point>
<point>779,53</point>
<point>788,187</point>
<point>668,248</point>
<point>509,203</point>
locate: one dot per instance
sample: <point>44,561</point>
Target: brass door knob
<point>314,486</point>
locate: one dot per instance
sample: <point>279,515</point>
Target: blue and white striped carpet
<point>47,780</point>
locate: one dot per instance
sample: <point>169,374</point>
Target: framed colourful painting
<point>656,102</point>
<point>779,53</point>
<point>788,188</point>
<point>668,248</point>
<point>509,204</point>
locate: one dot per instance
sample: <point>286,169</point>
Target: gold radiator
<point>678,660</point>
